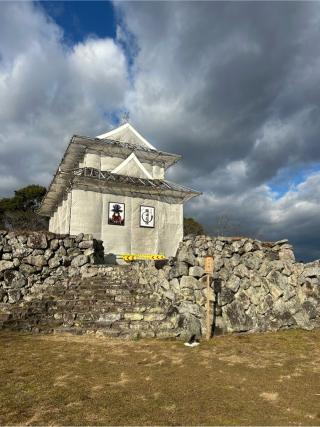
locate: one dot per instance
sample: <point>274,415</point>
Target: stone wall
<point>55,283</point>
<point>27,259</point>
<point>257,286</point>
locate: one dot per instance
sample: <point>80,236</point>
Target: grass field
<point>266,379</point>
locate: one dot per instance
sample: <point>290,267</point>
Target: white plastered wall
<point>163,239</point>
<point>148,167</point>
<point>110,163</point>
<point>91,160</point>
<point>86,211</point>
<point>116,238</point>
<point>60,221</point>
<point>107,163</point>
<point>157,172</point>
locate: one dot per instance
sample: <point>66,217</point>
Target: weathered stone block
<point>252,262</point>
<point>179,269</point>
<point>14,295</point>
<point>225,296</point>
<point>54,262</point>
<point>170,295</point>
<point>151,317</point>
<point>234,261</point>
<point>196,271</point>
<point>86,244</point>
<point>15,279</point>
<point>185,254</point>
<point>241,271</point>
<point>37,241</point>
<point>6,265</point>
<point>275,291</point>
<point>79,261</point>
<point>189,282</point>
<point>68,243</point>
<point>133,316</point>
<point>190,326</point>
<point>54,244</point>
<point>109,317</point>
<point>187,294</point>
<point>189,308</point>
<point>243,299</point>
<point>48,254</point>
<point>233,283</point>
<point>174,285</point>
<point>79,237</point>
<point>248,247</point>
<point>236,318</point>
<point>200,296</point>
<point>286,255</point>
<point>235,246</point>
<point>61,251</point>
<point>37,261</point>
<point>311,272</point>
<point>311,309</point>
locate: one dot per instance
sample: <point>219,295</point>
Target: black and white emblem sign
<point>147,216</point>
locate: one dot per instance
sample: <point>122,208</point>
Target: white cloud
<point>218,83</point>
<point>49,91</point>
<point>232,87</point>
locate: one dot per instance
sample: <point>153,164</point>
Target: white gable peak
<point>132,166</point>
<point>127,133</point>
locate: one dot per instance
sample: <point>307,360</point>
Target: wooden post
<point>208,308</point>
<point>208,268</point>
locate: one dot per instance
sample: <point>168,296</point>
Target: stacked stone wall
<point>54,283</point>
<point>28,259</point>
<point>257,286</point>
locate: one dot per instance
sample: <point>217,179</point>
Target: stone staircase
<point>110,305</point>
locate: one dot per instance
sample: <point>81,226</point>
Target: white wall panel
<point>86,210</point>
<point>116,238</point>
<point>158,172</point>
<point>109,163</point>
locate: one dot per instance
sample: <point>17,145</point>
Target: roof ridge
<point>141,140</point>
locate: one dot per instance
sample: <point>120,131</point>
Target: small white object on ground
<point>193,344</point>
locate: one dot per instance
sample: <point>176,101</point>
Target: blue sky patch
<point>289,178</point>
<point>82,19</point>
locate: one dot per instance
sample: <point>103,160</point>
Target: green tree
<point>191,226</point>
<point>19,211</point>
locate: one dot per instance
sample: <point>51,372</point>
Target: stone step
<point>90,302</point>
<point>101,285</point>
<point>98,310</point>
<point>99,293</point>
<point>81,331</point>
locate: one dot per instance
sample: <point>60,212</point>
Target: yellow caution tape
<point>135,257</point>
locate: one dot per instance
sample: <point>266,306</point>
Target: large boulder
<point>236,318</point>
<point>79,260</point>
<point>14,279</point>
<point>185,254</point>
<point>37,260</point>
<point>189,282</point>
<point>179,269</point>
<point>37,241</point>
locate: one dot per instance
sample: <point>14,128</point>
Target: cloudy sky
<point>234,87</point>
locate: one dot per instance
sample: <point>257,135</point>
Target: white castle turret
<point>114,187</point>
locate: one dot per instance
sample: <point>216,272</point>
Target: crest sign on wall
<point>116,213</point>
<point>147,216</point>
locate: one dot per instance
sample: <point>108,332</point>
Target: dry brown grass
<point>266,379</point>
